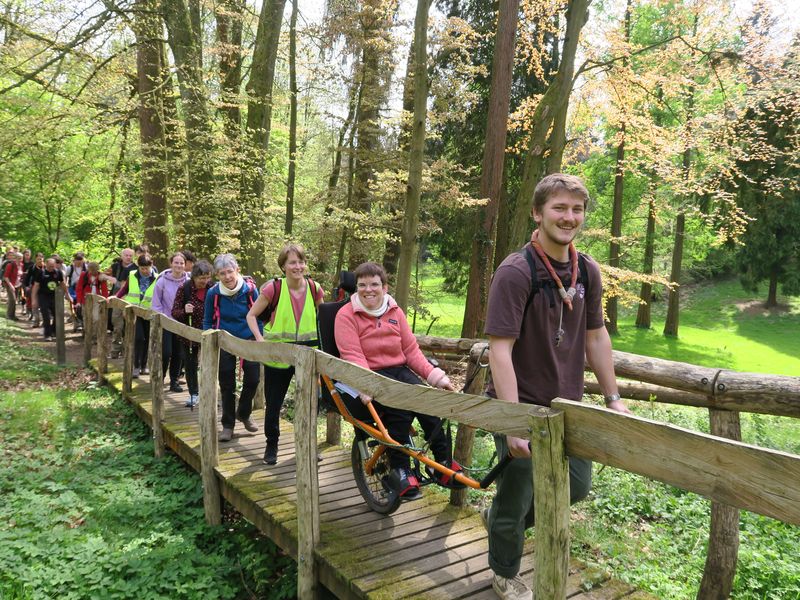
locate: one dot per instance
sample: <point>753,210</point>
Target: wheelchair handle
<point>498,468</point>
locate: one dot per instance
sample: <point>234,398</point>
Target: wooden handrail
<point>740,475</point>
<point>756,479</point>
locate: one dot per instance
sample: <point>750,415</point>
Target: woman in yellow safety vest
<point>139,290</point>
<point>293,319</point>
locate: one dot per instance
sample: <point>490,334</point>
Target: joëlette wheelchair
<point>369,459</point>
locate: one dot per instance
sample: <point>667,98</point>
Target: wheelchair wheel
<point>377,495</point>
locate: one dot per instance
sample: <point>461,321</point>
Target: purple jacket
<point>166,287</point>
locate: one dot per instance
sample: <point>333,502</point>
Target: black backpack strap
<point>527,252</point>
<point>584,271</point>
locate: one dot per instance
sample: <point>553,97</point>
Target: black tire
<point>377,496</point>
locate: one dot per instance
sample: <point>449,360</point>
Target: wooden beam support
<point>305,436</point>
<point>128,348</point>
<point>61,340</point>
<point>157,382</point>
<point>551,506</point>
<point>88,329</point>
<point>209,444</point>
<point>100,318</point>
<point>723,539</point>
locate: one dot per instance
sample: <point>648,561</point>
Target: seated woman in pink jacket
<point>372,332</point>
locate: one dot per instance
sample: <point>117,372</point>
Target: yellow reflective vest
<point>285,328</point>
<point>135,295</point>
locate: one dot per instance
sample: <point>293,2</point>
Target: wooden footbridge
<point>429,548</point>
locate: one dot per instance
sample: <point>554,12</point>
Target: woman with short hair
<point>372,332</point>
<point>226,306</point>
<point>294,299</point>
<point>188,308</point>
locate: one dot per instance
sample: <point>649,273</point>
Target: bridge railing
<point>726,471</point>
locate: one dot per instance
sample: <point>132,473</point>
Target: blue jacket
<point>232,311</point>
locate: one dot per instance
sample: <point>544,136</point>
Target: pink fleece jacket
<point>380,342</point>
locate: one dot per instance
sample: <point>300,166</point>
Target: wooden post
<point>87,329</point>
<point>258,401</point>
<point>209,444</point>
<point>128,348</point>
<point>551,506</point>
<point>157,381</point>
<point>61,341</point>
<point>305,436</point>
<point>465,436</point>
<point>723,541</point>
<point>101,315</point>
<point>333,428</point>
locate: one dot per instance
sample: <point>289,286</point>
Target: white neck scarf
<point>376,312</point>
<point>225,291</point>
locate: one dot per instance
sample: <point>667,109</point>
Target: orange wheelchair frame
<point>371,468</point>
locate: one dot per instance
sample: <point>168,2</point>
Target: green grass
<point>719,327</point>
<point>88,512</point>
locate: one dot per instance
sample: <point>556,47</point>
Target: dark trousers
<point>511,512</point>
<point>47,304</point>
<point>11,299</point>
<point>398,422</point>
<point>140,347</point>
<point>191,357</point>
<point>276,384</point>
<point>227,388</point>
<point>170,355</point>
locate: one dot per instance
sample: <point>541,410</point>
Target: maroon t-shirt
<point>544,371</point>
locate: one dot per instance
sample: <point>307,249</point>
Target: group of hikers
<point>544,320</point>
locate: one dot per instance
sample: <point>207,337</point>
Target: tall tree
<point>148,29</point>
<point>408,245</point>
<point>290,179</point>
<point>540,141</point>
<point>492,168</point>
<point>619,183</point>
<point>258,125</point>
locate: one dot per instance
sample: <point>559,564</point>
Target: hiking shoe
<point>249,425</point>
<point>145,371</point>
<point>405,483</point>
<point>511,588</point>
<point>271,453</point>
<point>192,401</point>
<point>136,372</point>
<point>174,386</point>
<point>226,435</point>
<point>446,480</point>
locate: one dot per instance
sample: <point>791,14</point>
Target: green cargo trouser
<point>511,512</point>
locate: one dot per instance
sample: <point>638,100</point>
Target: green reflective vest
<point>285,328</point>
<point>136,296</point>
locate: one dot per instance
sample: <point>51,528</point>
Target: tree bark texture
<point>646,293</point>
<point>557,94</point>
<point>481,260</point>
<point>203,211</point>
<point>151,125</point>
<point>408,245</point>
<point>616,227</point>
<point>723,541</point>
<point>673,305</point>
<point>259,122</point>
<point>376,23</point>
<point>229,38</point>
<point>292,120</point>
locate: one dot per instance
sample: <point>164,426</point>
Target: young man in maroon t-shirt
<point>539,332</point>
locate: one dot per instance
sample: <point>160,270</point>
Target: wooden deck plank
<point>426,549</point>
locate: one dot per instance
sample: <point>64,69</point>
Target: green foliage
<point>88,512</point>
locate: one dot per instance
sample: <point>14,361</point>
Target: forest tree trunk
<point>646,293</point>
<point>481,261</point>
<point>287,229</point>
<point>557,94</point>
<point>408,242</point>
<point>151,126</point>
